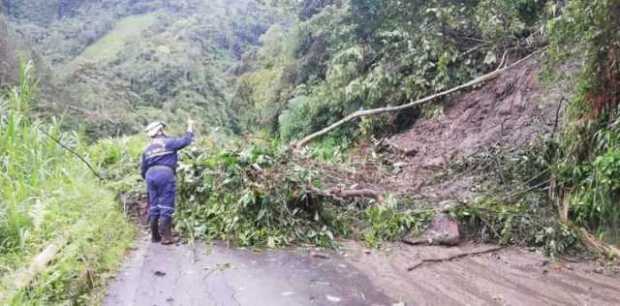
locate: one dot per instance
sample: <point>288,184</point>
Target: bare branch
<point>381,110</point>
<point>451,258</point>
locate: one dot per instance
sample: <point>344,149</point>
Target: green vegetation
<point>587,168</point>
<point>48,198</point>
<point>124,31</point>
<point>113,73</point>
<point>342,56</point>
<point>259,74</point>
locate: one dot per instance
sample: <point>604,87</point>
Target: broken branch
<point>65,147</point>
<point>451,258</point>
<point>381,110</point>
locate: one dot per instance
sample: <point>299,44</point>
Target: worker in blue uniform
<point>159,163</point>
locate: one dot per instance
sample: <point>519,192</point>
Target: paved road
<point>156,275</point>
<point>216,275</point>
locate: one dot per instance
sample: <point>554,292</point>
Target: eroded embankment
<point>512,112</point>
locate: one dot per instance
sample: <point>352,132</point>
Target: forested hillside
<point>111,73</point>
<point>498,116</point>
<point>342,56</point>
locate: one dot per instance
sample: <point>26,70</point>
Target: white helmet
<point>154,128</point>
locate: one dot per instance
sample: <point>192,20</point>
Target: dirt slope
<point>510,112</point>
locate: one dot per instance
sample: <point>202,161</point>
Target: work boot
<point>155,236</point>
<point>166,231</point>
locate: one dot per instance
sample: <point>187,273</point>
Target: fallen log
<point>381,110</point>
<point>38,264</point>
<point>24,277</point>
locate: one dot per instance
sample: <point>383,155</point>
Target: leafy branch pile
<point>260,196</point>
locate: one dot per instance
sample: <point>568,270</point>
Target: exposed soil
<point>511,112</point>
<point>511,276</point>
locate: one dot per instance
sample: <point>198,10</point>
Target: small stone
<point>333,299</point>
<point>319,255</point>
<point>599,270</point>
<point>160,273</point>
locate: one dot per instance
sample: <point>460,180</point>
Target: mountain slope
<point>120,64</point>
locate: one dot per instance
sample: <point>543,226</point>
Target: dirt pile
<point>509,113</point>
<point>512,111</point>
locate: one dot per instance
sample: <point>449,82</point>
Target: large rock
<point>444,230</point>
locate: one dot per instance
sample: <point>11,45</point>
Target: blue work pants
<point>161,187</point>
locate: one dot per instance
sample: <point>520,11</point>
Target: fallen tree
<point>387,109</point>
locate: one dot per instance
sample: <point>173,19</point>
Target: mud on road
<point>216,275</point>
<point>510,276</point>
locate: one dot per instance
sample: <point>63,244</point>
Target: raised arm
<point>175,144</point>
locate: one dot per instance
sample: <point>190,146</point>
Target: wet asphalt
<point>156,275</point>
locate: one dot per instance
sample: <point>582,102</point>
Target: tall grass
<point>28,159</point>
<point>47,195</point>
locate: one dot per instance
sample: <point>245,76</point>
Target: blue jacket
<point>162,151</point>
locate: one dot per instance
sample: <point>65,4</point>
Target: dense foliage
<point>139,59</point>
<point>342,56</point>
<point>588,167</point>
<point>288,68</point>
<point>47,197</point>
<point>8,60</point>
